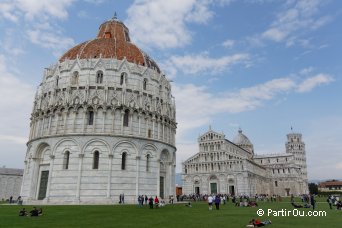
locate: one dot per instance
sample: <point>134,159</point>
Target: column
<point>109,181</point>
<point>103,120</point>
<point>158,177</point>
<point>153,120</point>
<point>73,121</point>
<point>130,124</point>
<point>139,120</point>
<point>84,119</point>
<point>49,127</point>
<point>57,120</point>
<point>65,113</point>
<point>94,120</point>
<point>81,156</point>
<point>113,123</point>
<point>52,159</point>
<point>137,176</point>
<point>122,116</point>
<point>34,177</point>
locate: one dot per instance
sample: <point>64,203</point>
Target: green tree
<point>313,188</point>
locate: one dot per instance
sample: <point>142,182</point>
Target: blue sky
<point>262,65</point>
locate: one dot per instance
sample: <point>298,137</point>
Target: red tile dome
<point>112,41</point>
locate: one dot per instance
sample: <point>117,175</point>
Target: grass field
<point>174,216</point>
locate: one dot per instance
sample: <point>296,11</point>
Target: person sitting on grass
<point>258,223</point>
<point>34,212</point>
<point>40,211</point>
<point>296,205</point>
<point>339,205</point>
<point>188,204</point>
<point>23,212</point>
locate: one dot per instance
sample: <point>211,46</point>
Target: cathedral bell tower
<point>296,146</point>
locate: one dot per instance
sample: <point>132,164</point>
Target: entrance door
<point>44,177</point>
<point>161,187</point>
<point>197,190</point>
<point>213,188</point>
<point>231,190</point>
<point>287,191</point>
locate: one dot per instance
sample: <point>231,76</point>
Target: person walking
<point>217,202</point>
<point>210,202</point>
<point>312,201</point>
<point>329,200</point>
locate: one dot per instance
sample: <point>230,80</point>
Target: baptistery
<point>102,127</point>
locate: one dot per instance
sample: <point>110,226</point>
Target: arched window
<point>96,159</point>
<point>123,160</point>
<point>149,133</point>
<point>126,118</point>
<point>66,160</point>
<point>57,80</point>
<point>148,162</point>
<point>90,117</point>
<point>99,77</point>
<point>145,84</point>
<point>123,79</point>
<point>74,79</point>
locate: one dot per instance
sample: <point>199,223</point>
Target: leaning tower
<point>296,146</point>
<point>103,124</point>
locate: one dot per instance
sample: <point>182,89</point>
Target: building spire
<point>115,17</point>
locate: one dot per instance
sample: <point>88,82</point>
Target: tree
<point>313,188</point>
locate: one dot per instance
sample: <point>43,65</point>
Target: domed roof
<point>241,139</point>
<point>112,41</point>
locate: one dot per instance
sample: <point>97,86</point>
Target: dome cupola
<point>242,141</point>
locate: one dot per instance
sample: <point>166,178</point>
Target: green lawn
<point>174,216</point>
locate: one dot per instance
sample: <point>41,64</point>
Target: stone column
<point>153,120</point>
<point>65,113</point>
<point>122,117</point>
<point>94,120</point>
<point>137,176</point>
<point>34,176</point>
<point>52,159</point>
<point>84,119</point>
<point>57,120</point>
<point>104,119</point>
<point>130,123</point>
<point>49,127</point>
<point>139,120</point>
<point>109,181</point>
<point>73,121</point>
<point>113,123</point>
<point>158,128</point>
<point>78,190</point>
<point>158,177</point>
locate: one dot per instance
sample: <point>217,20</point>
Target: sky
<point>260,65</point>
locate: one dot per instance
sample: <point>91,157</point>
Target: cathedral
<point>231,167</point>
<point>103,125</point>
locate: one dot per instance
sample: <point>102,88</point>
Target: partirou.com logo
<point>294,212</point>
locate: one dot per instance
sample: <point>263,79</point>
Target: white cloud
<point>306,71</point>
<point>312,82</point>
<point>202,63</point>
<point>35,17</point>
<point>296,19</point>
<point>162,24</point>
<point>205,104</point>
<point>50,40</point>
<point>228,43</point>
<point>15,105</point>
<point>339,165</point>
<point>37,8</point>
